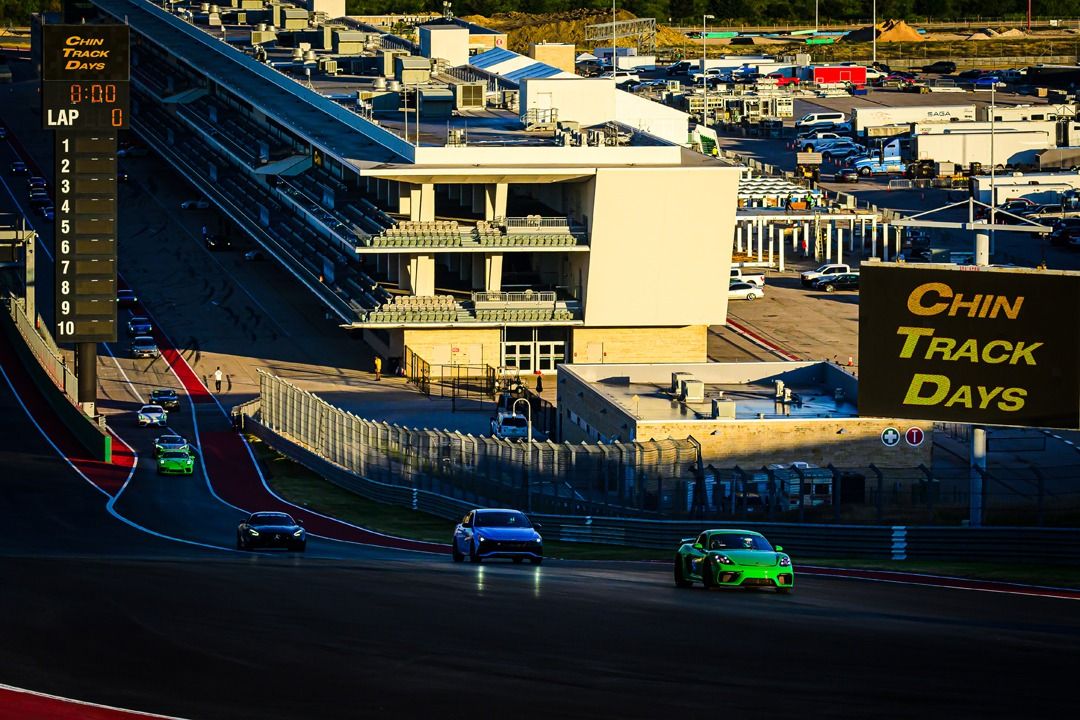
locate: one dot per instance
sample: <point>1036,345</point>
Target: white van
<point>821,118</point>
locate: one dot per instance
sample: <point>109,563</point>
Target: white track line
<point>112,500</point>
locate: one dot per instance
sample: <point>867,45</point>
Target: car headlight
<point>785,561</point>
<point>479,539</point>
<point>538,539</point>
<point>254,532</point>
<point>724,560</point>
<point>143,417</point>
<point>299,532</point>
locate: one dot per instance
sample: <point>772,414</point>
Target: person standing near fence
<point>217,379</point>
<point>378,367</point>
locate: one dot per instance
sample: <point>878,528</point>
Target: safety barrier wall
<point>57,384</point>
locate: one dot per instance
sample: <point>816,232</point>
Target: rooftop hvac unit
<point>297,55</point>
<point>309,56</point>
<point>456,137</point>
<point>676,381</point>
<point>469,96</point>
<point>380,83</point>
<point>394,86</point>
<point>328,66</point>
<point>204,7</point>
<point>723,409</point>
<point>693,391</point>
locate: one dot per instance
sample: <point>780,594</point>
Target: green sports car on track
<point>175,462</point>
<point>733,558</point>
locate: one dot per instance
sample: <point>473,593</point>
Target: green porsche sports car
<point>175,462</point>
<point>733,558</point>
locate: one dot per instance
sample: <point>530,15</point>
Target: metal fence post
<point>880,491</point>
<point>836,494</point>
<point>802,493</point>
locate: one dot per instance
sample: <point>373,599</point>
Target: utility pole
<point>704,77</point>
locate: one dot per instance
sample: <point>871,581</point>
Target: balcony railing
<point>507,298</point>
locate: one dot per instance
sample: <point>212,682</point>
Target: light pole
<point>874,34</point>
<point>704,77</point>
<point>528,449</point>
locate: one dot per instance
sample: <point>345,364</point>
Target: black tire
<point>830,288</point>
<point>474,556</point>
<point>536,561</point>
<point>751,296</point>
<point>302,547</point>
<point>518,561</point>
<point>680,577</point>
<point>864,172</point>
<point>707,573</point>
<point>784,590</point>
<point>240,544</point>
<point>455,553</point>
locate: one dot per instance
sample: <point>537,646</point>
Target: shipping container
<point>834,74</point>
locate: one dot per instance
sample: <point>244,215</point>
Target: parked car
<point>166,398</point>
<point>195,205</point>
<point>828,270</point>
<point>1066,236</point>
<point>733,558</point>
<point>509,425</point>
<point>846,175</point>
<point>271,529</point>
<point>1012,205</point>
<point>497,533</point>
<point>744,291</point>
<point>139,325</point>
<point>832,283</point>
<point>874,165</point>
<point>152,415</point>
<point>682,67</point>
<point>746,276</point>
<point>143,346</point>
<point>943,67</point>
<point>988,82</point>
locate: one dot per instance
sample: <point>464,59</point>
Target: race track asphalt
<point>94,609</point>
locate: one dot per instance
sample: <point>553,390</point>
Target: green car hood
<point>751,558</point>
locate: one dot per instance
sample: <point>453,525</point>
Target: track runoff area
<point>933,320</point>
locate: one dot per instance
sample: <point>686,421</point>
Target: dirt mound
<point>522,29</point>
<point>888,31</point>
<point>1013,33</point>
<point>978,36</point>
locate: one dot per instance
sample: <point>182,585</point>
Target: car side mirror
<point>537,526</point>
<point>300,523</point>
<point>779,548</point>
<point>698,546</point>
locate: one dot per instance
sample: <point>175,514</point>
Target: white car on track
<point>152,416</point>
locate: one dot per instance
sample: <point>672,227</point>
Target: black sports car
<point>271,529</point>
<point>166,398</point>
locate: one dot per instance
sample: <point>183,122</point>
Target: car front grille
<point>508,546</point>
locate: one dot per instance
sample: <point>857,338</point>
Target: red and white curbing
<point>22,704</point>
<point>762,342</point>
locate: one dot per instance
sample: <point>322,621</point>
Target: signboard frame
<point>968,344</point>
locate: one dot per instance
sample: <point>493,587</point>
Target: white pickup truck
<point>829,270</point>
<point>742,275</point>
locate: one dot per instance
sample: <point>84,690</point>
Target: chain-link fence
<point>640,478</point>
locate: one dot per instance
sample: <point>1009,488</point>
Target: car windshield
<point>139,321</point>
<point>513,421</point>
<point>502,519</point>
<point>151,408</point>
<point>738,541</point>
<point>164,394</point>
<point>171,440</point>
<point>143,342</point>
<point>271,519</point>
<point>175,455</point>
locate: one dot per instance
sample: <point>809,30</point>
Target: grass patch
<point>301,486</point>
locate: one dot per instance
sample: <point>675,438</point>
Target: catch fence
<point>636,478</point>
<point>41,344</point>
